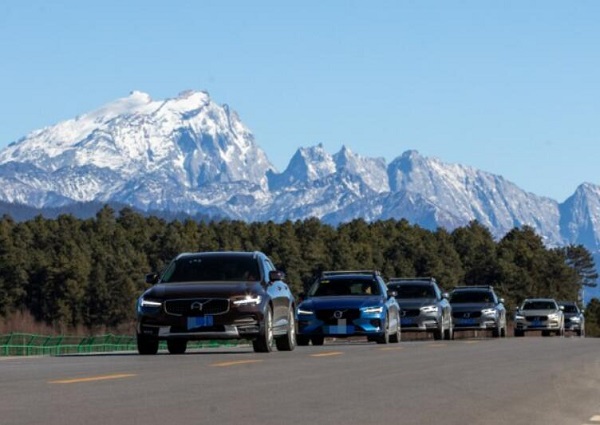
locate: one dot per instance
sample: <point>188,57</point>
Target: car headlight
<point>575,319</point>
<point>247,300</point>
<point>489,312</point>
<point>305,312</point>
<point>553,316</point>
<point>143,302</point>
<point>372,309</point>
<point>519,317</point>
<point>430,309</point>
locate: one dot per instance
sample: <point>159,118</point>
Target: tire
<point>438,334</point>
<point>547,333</point>
<point>560,332</point>
<point>176,346</point>
<point>288,341</point>
<point>146,346</point>
<point>317,340</point>
<point>385,337</point>
<point>503,332</point>
<point>519,333</point>
<point>396,336</point>
<point>496,332</point>
<point>302,340</point>
<point>264,342</point>
<point>448,334</point>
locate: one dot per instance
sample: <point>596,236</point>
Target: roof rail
<point>411,279</point>
<point>339,272</point>
<point>474,286</point>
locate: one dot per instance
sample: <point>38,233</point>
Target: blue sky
<point>510,87</point>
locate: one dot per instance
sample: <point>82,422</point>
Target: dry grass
<point>24,322</point>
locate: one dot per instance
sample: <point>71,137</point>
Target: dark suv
<point>423,306</point>
<point>574,317</point>
<point>478,308</point>
<point>216,295</point>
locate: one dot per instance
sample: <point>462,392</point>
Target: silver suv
<point>423,306</point>
<point>540,314</point>
<point>476,308</point>
<point>574,318</point>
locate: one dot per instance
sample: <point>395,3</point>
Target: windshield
<point>539,305</point>
<point>570,308</point>
<point>328,287</point>
<point>471,297</point>
<point>413,291</point>
<point>217,268</point>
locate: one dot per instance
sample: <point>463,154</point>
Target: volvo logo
<point>338,314</point>
<point>197,305</point>
<point>467,315</point>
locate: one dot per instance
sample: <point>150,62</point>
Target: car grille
<point>410,312</point>
<point>534,318</point>
<point>329,315</point>
<point>466,314</point>
<point>197,306</point>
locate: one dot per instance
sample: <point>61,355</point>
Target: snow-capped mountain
<point>188,154</point>
<point>134,149</point>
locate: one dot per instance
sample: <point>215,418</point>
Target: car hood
<point>202,289</point>
<point>569,315</point>
<point>471,306</point>
<point>354,301</point>
<point>539,312</point>
<point>415,302</point>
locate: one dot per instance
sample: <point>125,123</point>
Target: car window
<point>413,291</point>
<point>471,297</point>
<point>203,269</point>
<point>570,308</point>
<point>539,305</point>
<point>334,287</point>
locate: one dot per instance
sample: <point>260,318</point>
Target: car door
<point>279,293</point>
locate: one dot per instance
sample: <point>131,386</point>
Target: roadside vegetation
<point>69,274</point>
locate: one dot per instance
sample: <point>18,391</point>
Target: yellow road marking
<point>391,348</point>
<point>235,362</point>
<point>437,345</point>
<point>92,378</point>
<point>327,354</point>
<point>471,342</point>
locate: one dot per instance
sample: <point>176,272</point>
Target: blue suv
<point>343,304</point>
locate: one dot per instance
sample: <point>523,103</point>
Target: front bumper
<point>235,323</point>
<point>318,324</point>
<point>416,320</point>
<point>474,321</point>
<point>537,325</point>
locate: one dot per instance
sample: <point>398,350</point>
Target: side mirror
<point>501,300</point>
<point>582,311</point>
<point>275,275</point>
<point>561,307</point>
<point>391,293</point>
<point>152,278</point>
<point>446,296</point>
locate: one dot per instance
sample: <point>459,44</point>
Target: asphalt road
<point>515,381</point>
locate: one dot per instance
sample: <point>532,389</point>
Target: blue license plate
<point>339,330</point>
<point>536,323</point>
<point>406,321</point>
<point>468,321</point>
<point>199,322</point>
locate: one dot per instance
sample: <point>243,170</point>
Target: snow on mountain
<point>188,154</point>
<point>189,139</point>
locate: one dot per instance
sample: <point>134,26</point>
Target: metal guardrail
<point>21,344</point>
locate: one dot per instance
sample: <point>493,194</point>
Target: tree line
<point>70,272</point>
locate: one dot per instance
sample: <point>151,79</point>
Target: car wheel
<point>560,332</point>
<point>385,337</point>
<point>302,340</point>
<point>449,334</point>
<point>146,346</point>
<point>264,342</point>
<point>176,346</point>
<point>396,336</point>
<point>317,340</point>
<point>547,333</point>
<point>288,341</point>
<point>438,334</point>
<point>519,332</point>
<point>496,332</point>
<point>503,332</point>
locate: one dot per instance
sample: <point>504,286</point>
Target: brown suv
<point>216,295</point>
